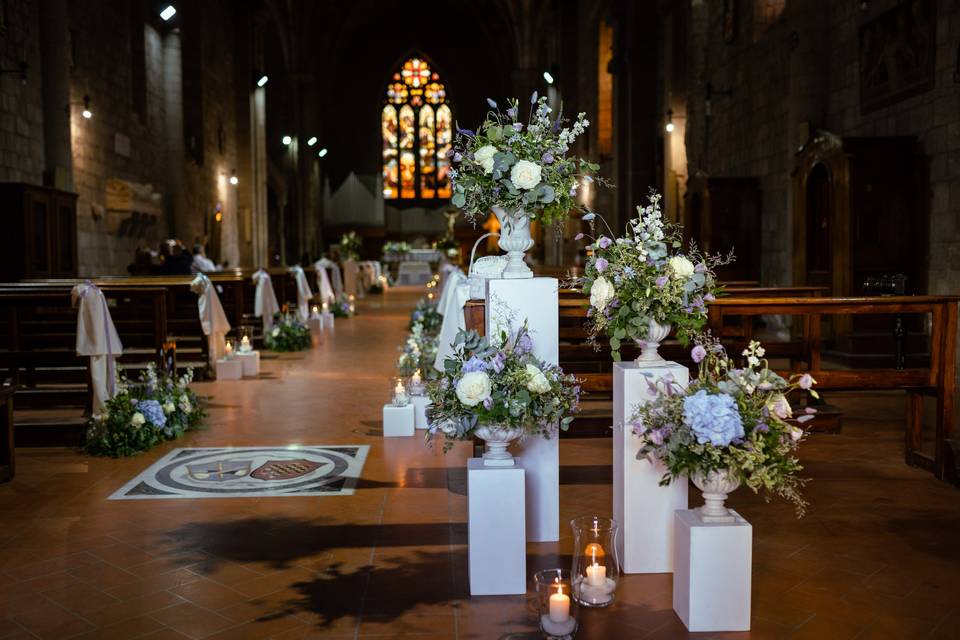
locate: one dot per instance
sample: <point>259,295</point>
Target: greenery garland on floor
<point>343,307</point>
<point>288,334</point>
<point>419,350</point>
<point>156,408</point>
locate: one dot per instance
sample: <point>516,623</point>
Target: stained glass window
<point>416,124</point>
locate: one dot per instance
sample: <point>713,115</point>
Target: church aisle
<point>390,560</point>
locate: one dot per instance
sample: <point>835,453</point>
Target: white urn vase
<point>656,333</point>
<point>497,439</point>
<point>715,486</point>
<point>515,239</point>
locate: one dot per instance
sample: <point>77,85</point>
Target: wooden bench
<point>7,450</point>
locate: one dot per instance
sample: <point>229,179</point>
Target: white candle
<point>315,310</point>
<point>244,344</point>
<point>596,575</point>
<point>326,307</point>
<point>229,350</point>
<point>399,394</point>
<point>415,380</point>
<point>559,606</point>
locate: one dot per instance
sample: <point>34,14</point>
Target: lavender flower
<point>488,403</point>
<point>512,112</point>
<point>579,236</point>
<point>547,158</point>
<point>806,381</point>
<point>661,281</point>
<point>698,354</point>
<point>604,242</point>
<point>498,361</point>
<point>518,126</point>
<point>474,364</point>
<point>524,344</point>
<point>493,105</point>
<point>602,264</point>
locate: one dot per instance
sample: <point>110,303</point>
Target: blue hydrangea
<point>714,418</point>
<point>474,364</point>
<point>153,412</point>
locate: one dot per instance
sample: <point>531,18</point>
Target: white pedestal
<point>397,421</point>
<point>509,304</point>
<point>711,575</point>
<point>229,369</point>
<point>326,318</point>
<point>643,508</point>
<point>420,404</point>
<point>496,543</point>
<point>250,362</point>
<point>316,329</point>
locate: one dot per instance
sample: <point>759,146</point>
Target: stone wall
<point>21,113</point>
<point>802,71</point>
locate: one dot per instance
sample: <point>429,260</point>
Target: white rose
<point>538,382</point>
<point>473,388</point>
<point>525,174</point>
<point>275,332</point>
<point>779,407</point>
<point>169,408</point>
<point>137,420</point>
<point>484,157</point>
<point>185,405</point>
<point>682,268</point>
<point>601,293</point>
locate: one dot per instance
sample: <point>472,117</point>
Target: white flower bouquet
<point>500,385</point>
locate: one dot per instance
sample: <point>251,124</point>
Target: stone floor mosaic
<point>247,472</point>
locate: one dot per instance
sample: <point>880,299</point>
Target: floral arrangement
<point>730,418</point>
<point>642,277</point>
<point>515,166</point>
<point>158,407</point>
<point>448,246</point>
<point>350,244</point>
<point>419,350</point>
<point>393,249</point>
<point>343,307</point>
<point>289,333</point>
<point>499,384</point>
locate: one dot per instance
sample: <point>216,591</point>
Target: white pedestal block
<point>712,571</point>
<point>316,330</point>
<point>229,369</point>
<point>398,421</point>
<point>326,318</point>
<point>250,362</point>
<point>420,404</point>
<point>509,304</point>
<point>497,540</point>
<point>643,508</point>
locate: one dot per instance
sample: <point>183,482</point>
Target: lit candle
<point>559,606</point>
<point>326,307</point>
<point>596,575</point>
<point>315,310</point>
<point>244,344</point>
<point>415,380</point>
<point>399,394</point>
<point>429,296</point>
<point>229,350</point>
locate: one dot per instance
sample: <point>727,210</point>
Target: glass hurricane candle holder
<point>558,610</point>
<point>400,397</point>
<point>416,386</point>
<point>228,349</point>
<point>596,567</point>
<point>245,336</point>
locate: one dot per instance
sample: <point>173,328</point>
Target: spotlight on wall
<point>322,152</point>
<point>312,141</point>
<point>86,113</point>
<point>669,126</point>
<point>263,80</point>
<point>168,13</point>
<point>234,180</point>
<point>548,77</point>
<point>287,140</point>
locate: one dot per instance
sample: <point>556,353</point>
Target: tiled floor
<point>878,556</point>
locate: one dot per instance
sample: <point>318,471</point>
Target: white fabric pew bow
<point>265,300</point>
<point>457,293</point>
<point>212,318</point>
<point>336,277</point>
<point>98,339</point>
<point>303,292</point>
<point>326,289</point>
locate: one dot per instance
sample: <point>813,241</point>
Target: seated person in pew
<point>201,263</point>
<point>176,260</point>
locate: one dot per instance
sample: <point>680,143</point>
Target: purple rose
<point>604,242</point>
<point>498,361</point>
<point>698,354</point>
<point>547,158</point>
<point>474,364</point>
<point>602,264</point>
<point>661,281</point>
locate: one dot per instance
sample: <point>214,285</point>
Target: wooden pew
<point>38,353</point>
<point>7,450</point>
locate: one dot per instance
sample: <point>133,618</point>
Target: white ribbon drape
<point>98,339</point>
<point>457,293</point>
<point>265,301</point>
<point>323,282</point>
<point>212,318</point>
<point>351,277</point>
<point>336,279</point>
<point>303,292</point>
<point>446,287</point>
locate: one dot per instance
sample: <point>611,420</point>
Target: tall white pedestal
<point>712,571</point>
<point>420,404</point>
<point>643,508</point>
<point>536,301</point>
<point>497,540</point>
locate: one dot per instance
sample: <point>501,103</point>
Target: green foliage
<point>288,334</point>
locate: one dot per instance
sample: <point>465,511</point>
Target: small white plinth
<point>496,529</point>
<point>326,319</point>
<point>316,329</point>
<point>250,361</point>
<point>398,421</point>
<point>229,369</point>
<point>711,572</point>
<point>643,508</point>
<point>420,404</point>
<point>510,303</point>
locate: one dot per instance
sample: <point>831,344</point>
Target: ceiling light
<point>263,80</point>
<point>322,152</point>
<point>86,113</point>
<point>234,180</point>
<point>548,77</point>
<point>168,13</point>
<point>312,141</point>
<point>287,140</point>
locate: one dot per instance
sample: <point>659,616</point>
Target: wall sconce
<point>234,180</point>
<point>312,141</point>
<point>168,12</point>
<point>263,80</point>
<point>669,126</point>
<point>548,77</point>
<point>86,112</point>
<point>286,140</point>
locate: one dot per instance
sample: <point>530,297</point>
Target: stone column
<point>55,58</point>
<point>174,201</point>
